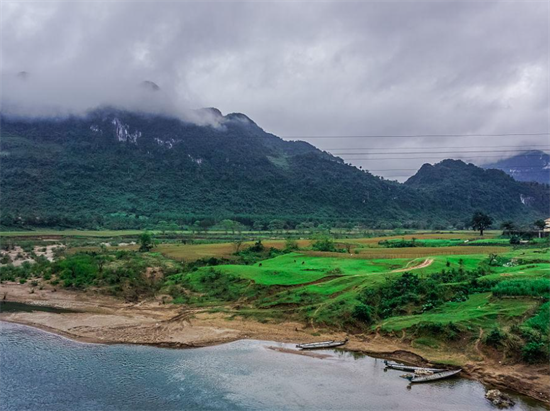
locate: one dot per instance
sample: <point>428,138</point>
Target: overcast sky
<point>300,70</point>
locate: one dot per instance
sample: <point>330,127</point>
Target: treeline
<point>171,222</point>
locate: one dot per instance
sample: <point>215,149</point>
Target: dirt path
<point>478,342</point>
<point>427,262</point>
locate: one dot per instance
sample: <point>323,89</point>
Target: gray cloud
<point>297,69</point>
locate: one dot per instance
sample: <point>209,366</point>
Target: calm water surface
<point>42,371</point>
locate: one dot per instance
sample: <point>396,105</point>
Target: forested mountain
<point>461,188</point>
<point>529,166</point>
<point>119,169</point>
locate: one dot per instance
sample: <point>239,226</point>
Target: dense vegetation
<point>123,170</point>
<point>500,289</point>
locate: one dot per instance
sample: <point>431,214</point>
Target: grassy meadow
<point>433,288</point>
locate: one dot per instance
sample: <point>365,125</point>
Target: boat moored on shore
<point>321,344</point>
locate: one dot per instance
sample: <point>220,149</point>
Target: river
<point>43,371</point>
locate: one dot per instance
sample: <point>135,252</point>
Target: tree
<point>237,244</point>
<point>507,227</point>
<point>539,225</point>
<point>163,226</point>
<point>276,225</point>
<point>363,312</point>
<point>204,225</point>
<point>481,221</point>
<point>291,245</point>
<point>145,242</point>
<point>258,225</point>
<point>323,244</point>
<point>228,225</point>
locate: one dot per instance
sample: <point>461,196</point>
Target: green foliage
<point>77,271</point>
<point>481,221</point>
<point>399,243</point>
<point>208,175</point>
<point>539,287</point>
<point>495,338</point>
<point>539,224</point>
<point>442,331</point>
<point>534,352</point>
<point>145,242</point>
<point>324,244</point>
<point>410,292</point>
<point>507,227</point>
<point>258,247</point>
<point>363,313</point>
<point>541,321</point>
<point>291,245</point>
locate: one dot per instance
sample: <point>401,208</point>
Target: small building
<point>547,225</point>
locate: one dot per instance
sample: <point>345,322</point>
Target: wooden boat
<point>433,377</point>
<point>320,345</point>
<point>408,368</point>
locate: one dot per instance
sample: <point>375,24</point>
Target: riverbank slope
<point>103,319</point>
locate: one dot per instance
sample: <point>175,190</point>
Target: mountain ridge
<point>124,169</point>
<point>529,166</point>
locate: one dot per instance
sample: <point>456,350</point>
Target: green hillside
<point>122,170</point>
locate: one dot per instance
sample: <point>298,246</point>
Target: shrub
<point>541,321</point>
<point>258,247</point>
<point>538,287</point>
<point>495,338</point>
<point>534,352</point>
<point>291,245</point>
<point>324,244</point>
<point>363,312</point>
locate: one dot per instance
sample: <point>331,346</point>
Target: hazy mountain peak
<point>149,85</point>
<point>532,165</point>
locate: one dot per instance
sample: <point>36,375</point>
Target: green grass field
<point>325,287</point>
<point>445,278</point>
<point>479,311</point>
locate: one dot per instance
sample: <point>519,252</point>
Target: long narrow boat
<point>433,377</point>
<point>408,368</point>
<point>322,344</point>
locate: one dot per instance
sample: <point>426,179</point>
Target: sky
<point>345,76</point>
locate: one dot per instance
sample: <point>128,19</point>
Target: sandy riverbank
<point>108,320</point>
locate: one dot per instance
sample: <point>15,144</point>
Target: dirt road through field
<point>427,262</point>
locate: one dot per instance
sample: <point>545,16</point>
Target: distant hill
<point>461,188</point>
<point>530,166</point>
<point>119,169</point>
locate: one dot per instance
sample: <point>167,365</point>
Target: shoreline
<point>105,320</point>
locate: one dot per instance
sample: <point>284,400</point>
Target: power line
<point>431,148</point>
<point>448,152</point>
<point>420,135</point>
<point>416,169</point>
<point>422,158</point>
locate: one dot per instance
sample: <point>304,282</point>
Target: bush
<point>291,245</point>
<point>538,287</point>
<point>363,312</point>
<point>534,352</point>
<point>541,321</point>
<point>324,244</point>
<point>495,338</point>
